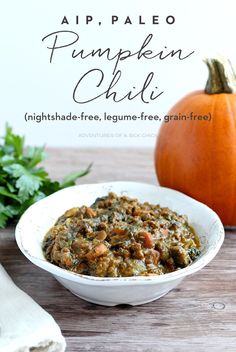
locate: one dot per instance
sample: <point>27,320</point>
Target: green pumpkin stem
<point>222,78</point>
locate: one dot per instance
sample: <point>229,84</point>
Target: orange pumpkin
<point>198,157</point>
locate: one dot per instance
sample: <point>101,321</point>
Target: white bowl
<point>36,221</point>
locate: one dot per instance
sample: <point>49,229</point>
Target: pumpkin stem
<point>222,78</point>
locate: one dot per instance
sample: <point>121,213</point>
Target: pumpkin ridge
<point>232,113</point>
<point>212,147</point>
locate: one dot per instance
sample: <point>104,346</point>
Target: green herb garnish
<point>22,181</point>
<point>194,253</point>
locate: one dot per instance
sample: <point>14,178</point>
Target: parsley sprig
<point>22,181</point>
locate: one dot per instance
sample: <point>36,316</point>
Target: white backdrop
<point>29,83</point>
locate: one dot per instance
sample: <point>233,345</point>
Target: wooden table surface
<point>199,315</point>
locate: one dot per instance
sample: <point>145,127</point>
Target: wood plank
<point>199,315</point>
<point>108,165</point>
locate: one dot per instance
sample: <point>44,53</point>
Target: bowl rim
<point>117,281</point>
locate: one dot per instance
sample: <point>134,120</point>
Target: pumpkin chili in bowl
<point>118,236</point>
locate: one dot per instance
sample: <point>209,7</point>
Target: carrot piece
<point>90,213</point>
<point>97,251</point>
<point>67,260</point>
<point>119,232</point>
<point>147,239</point>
